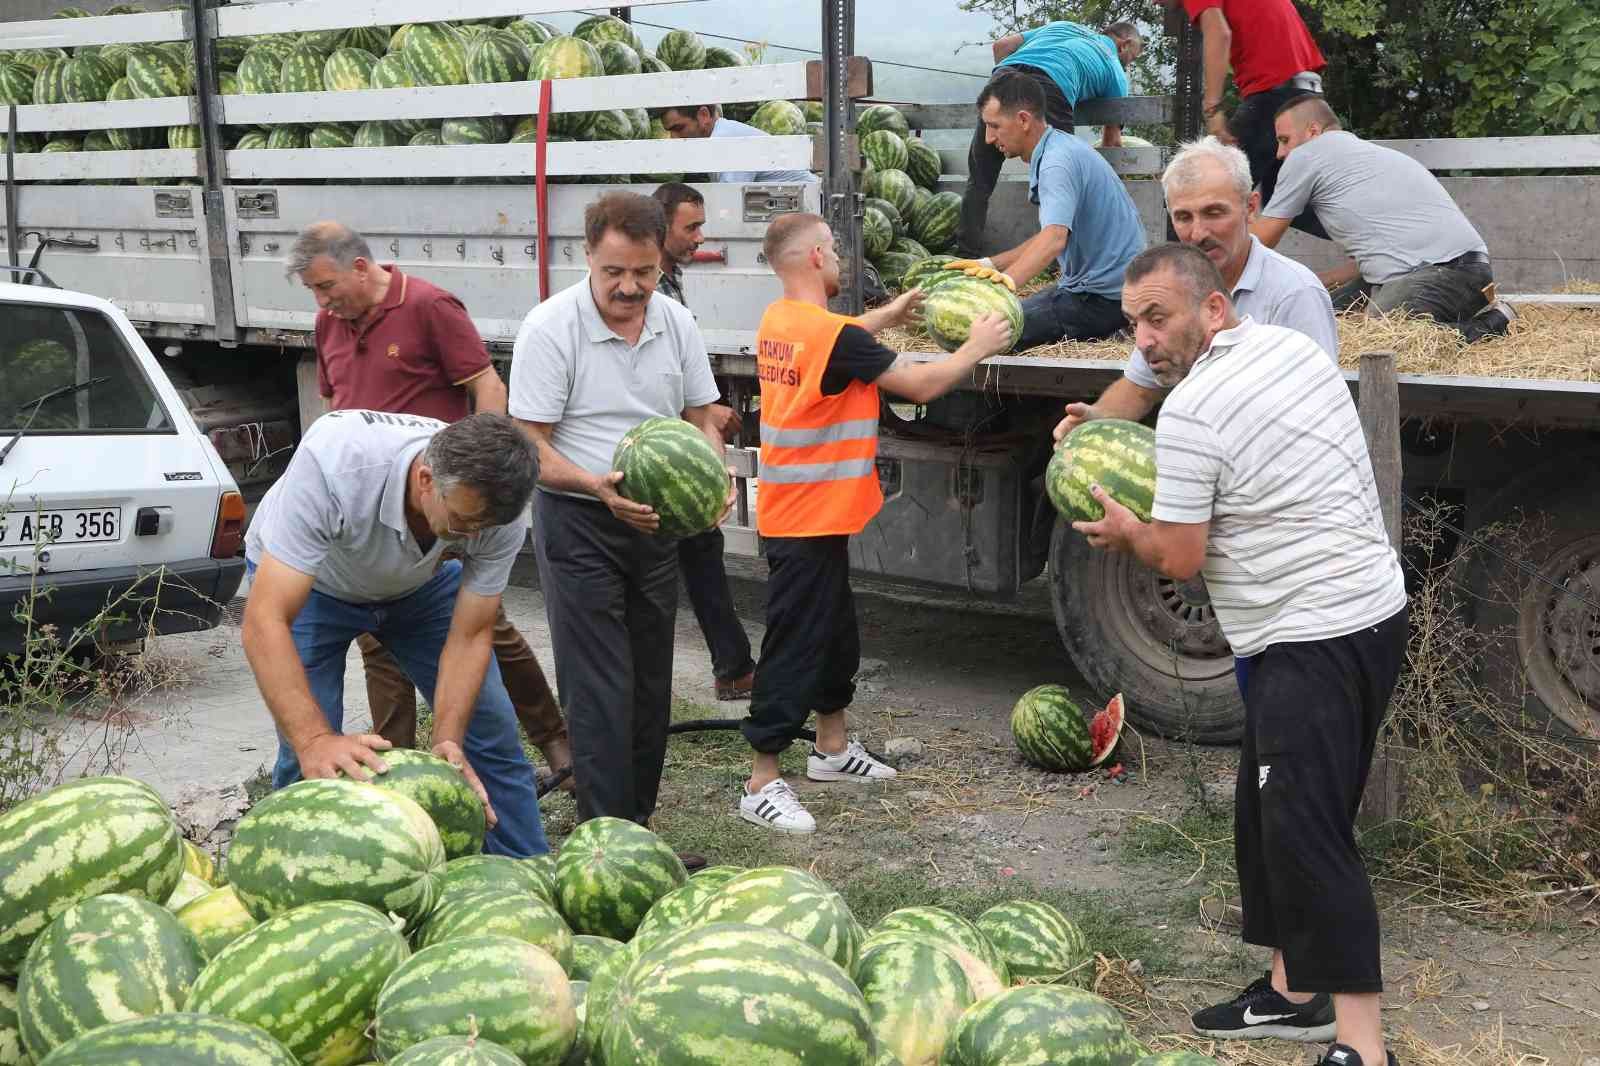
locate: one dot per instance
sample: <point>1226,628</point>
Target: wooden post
<point>1378,402</point>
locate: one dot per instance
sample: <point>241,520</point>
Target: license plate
<point>19,528</point>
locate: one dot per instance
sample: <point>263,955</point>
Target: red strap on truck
<point>541,191</point>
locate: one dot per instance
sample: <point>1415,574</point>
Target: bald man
<point>820,376</point>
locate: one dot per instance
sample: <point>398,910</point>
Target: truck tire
<point>1155,640</point>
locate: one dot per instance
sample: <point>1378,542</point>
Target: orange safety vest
<point>819,474</point>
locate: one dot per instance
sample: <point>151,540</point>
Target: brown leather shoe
<point>692,862</point>
<point>737,689</point>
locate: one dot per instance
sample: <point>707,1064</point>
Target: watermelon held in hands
<point>1116,454</point>
<point>952,306</point>
<point>1043,1024</point>
<point>669,465</point>
<point>1054,733</point>
<point>929,273</point>
<point>442,791</point>
<point>169,1039</point>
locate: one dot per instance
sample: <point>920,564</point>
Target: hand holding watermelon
<point>332,754</point>
<point>1117,530</point>
<point>638,515</point>
<point>1077,415</point>
<point>451,753</point>
<point>982,268</point>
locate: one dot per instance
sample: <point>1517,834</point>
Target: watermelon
<point>431,782</point>
<point>487,129</point>
<point>426,138</point>
<point>227,83</point>
<point>908,246</point>
<point>952,305</point>
<point>435,54</point>
<point>599,29</point>
<point>103,960</point>
<point>288,137</point>
<point>301,71</point>
<point>249,140</point>
<point>373,39</point>
<point>588,952</point>
<point>70,13</point>
<point>915,993</point>
<point>1174,1058</point>
<point>321,41</point>
<point>532,32</point>
<point>16,83</point>
<point>610,871</point>
<point>1117,454</point>
<point>980,976</point>
<point>472,873</point>
<point>892,266</point>
<point>566,57</point>
<point>1052,732</point>
<point>22,143</point>
<point>130,138</point>
<point>877,232</point>
<point>331,135</point>
<point>36,59</point>
<point>1041,1024</point>
<point>930,272</point>
<point>671,466</point>
<point>173,1040</point>
<point>579,1055</point>
<point>790,901</point>
<point>497,56</point>
<point>936,222</point>
<point>348,69</point>
<point>892,213</point>
<point>348,840</point>
<point>601,994</point>
<point>884,149</point>
<point>737,993</point>
<point>196,861</point>
<point>677,908</point>
<point>98,141</point>
<point>641,124</point>
<point>309,977</point>
<point>720,58</point>
<point>1038,943</point>
<point>543,868</point>
<point>922,163</point>
<point>895,186</point>
<point>512,992</point>
<point>258,70</point>
<point>81,839</point>
<point>216,919</point>
<point>609,126</point>
<point>47,83</point>
<point>391,72</point>
<point>945,927</point>
<point>499,912</point>
<point>11,1051</point>
<point>780,118</point>
<point>649,64</point>
<point>190,888</point>
<point>882,117</point>
<point>618,58</point>
<point>455,1051</point>
<point>229,52</point>
<point>116,56</point>
<point>682,50</point>
<point>920,199</point>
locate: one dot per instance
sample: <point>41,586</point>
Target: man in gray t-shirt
<point>1412,247</point>
<point>348,541</point>
<point>589,364</point>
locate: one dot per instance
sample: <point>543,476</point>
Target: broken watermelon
<point>1054,733</point>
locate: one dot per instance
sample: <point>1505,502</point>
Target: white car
<point>114,508</point>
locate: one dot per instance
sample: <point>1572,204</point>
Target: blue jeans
<point>413,628</point>
<point>1054,314</point>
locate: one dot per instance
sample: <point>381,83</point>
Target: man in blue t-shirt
<point>1071,63</point>
<point>1087,221</point>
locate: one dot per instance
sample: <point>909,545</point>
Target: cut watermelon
<point>1105,729</point>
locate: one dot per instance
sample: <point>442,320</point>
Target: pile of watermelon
<point>356,922</point>
<point>906,218</point>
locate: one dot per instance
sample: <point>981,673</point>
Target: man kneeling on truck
<point>348,542</point>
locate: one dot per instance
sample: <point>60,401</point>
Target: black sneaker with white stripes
<point>854,763</point>
<point>1259,1012</point>
<point>1344,1055</point>
<point>777,807</point>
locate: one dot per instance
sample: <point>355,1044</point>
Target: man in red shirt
<point>1273,57</point>
<point>387,341</point>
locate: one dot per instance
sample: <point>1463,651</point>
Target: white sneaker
<point>777,807</point>
<point>852,764</point>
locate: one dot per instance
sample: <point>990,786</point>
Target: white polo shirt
<point>727,127</point>
<point>1274,290</point>
<point>1262,440</point>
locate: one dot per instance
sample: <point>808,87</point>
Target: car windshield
<point>45,347</point>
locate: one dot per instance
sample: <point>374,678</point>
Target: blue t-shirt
<point>1075,187</point>
<point>1082,62</point>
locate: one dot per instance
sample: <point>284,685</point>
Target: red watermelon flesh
<point>1105,728</point>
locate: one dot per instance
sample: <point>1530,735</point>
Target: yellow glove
<point>982,269</point>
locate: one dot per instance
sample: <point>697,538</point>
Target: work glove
<point>982,268</point>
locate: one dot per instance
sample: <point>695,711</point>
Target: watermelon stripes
<point>499,912</point>
<point>671,466</point>
<point>1043,1024</point>
<point>790,901</point>
<point>610,872</point>
<point>190,1039</point>
<point>1117,454</point>
<point>1038,942</point>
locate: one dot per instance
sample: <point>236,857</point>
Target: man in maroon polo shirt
<point>387,341</point>
<point>1273,57</point>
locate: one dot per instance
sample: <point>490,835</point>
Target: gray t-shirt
<point>1275,291</point>
<point>338,513</point>
<point>1382,206</point>
<point>569,368</point>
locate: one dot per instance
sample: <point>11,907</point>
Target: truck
<point>193,253</point>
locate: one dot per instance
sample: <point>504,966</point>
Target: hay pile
<point>1546,341</point>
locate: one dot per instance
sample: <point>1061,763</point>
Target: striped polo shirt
<point>1262,440</point>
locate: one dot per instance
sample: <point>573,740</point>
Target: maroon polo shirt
<point>412,354</point>
<point>1270,42</point>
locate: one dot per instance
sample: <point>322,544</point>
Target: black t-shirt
<point>856,356</point>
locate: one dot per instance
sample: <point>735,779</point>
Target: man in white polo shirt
<point>589,364</point>
<point>1211,204</point>
<point>348,541</point>
<point>687,121</point>
<point>1264,485</point>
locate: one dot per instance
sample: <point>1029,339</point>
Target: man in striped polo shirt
<point>1264,485</point>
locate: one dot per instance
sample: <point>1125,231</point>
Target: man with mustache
<point>1211,204</point>
<point>589,364</point>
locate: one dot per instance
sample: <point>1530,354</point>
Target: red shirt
<point>1270,42</point>
<point>409,355</point>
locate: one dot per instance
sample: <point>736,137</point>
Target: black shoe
<point>692,862</point>
<point>1259,1012</point>
<point>1343,1055</point>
